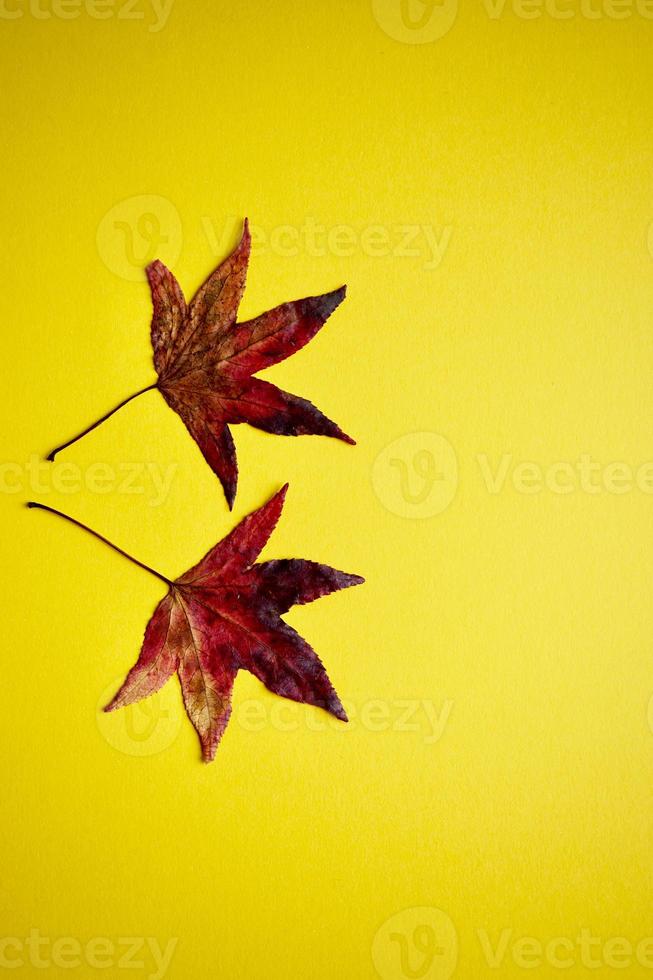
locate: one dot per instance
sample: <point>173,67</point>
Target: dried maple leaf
<point>224,615</point>
<point>205,360</point>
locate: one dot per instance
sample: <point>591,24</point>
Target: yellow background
<point>523,619</point>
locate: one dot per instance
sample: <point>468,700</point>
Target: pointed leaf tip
<point>246,237</point>
<point>280,496</point>
<point>334,707</point>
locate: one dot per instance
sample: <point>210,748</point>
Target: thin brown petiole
<point>90,428</point>
<point>66,517</point>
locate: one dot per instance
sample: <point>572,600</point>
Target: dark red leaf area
<point>222,616</point>
<point>205,360</point>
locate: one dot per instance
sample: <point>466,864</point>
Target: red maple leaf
<point>224,615</point>
<point>205,361</point>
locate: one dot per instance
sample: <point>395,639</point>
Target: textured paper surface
<point>497,664</point>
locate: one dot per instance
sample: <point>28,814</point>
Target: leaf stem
<point>90,428</point>
<point>66,517</point>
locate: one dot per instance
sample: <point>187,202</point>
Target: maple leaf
<point>224,615</point>
<point>205,361</point>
